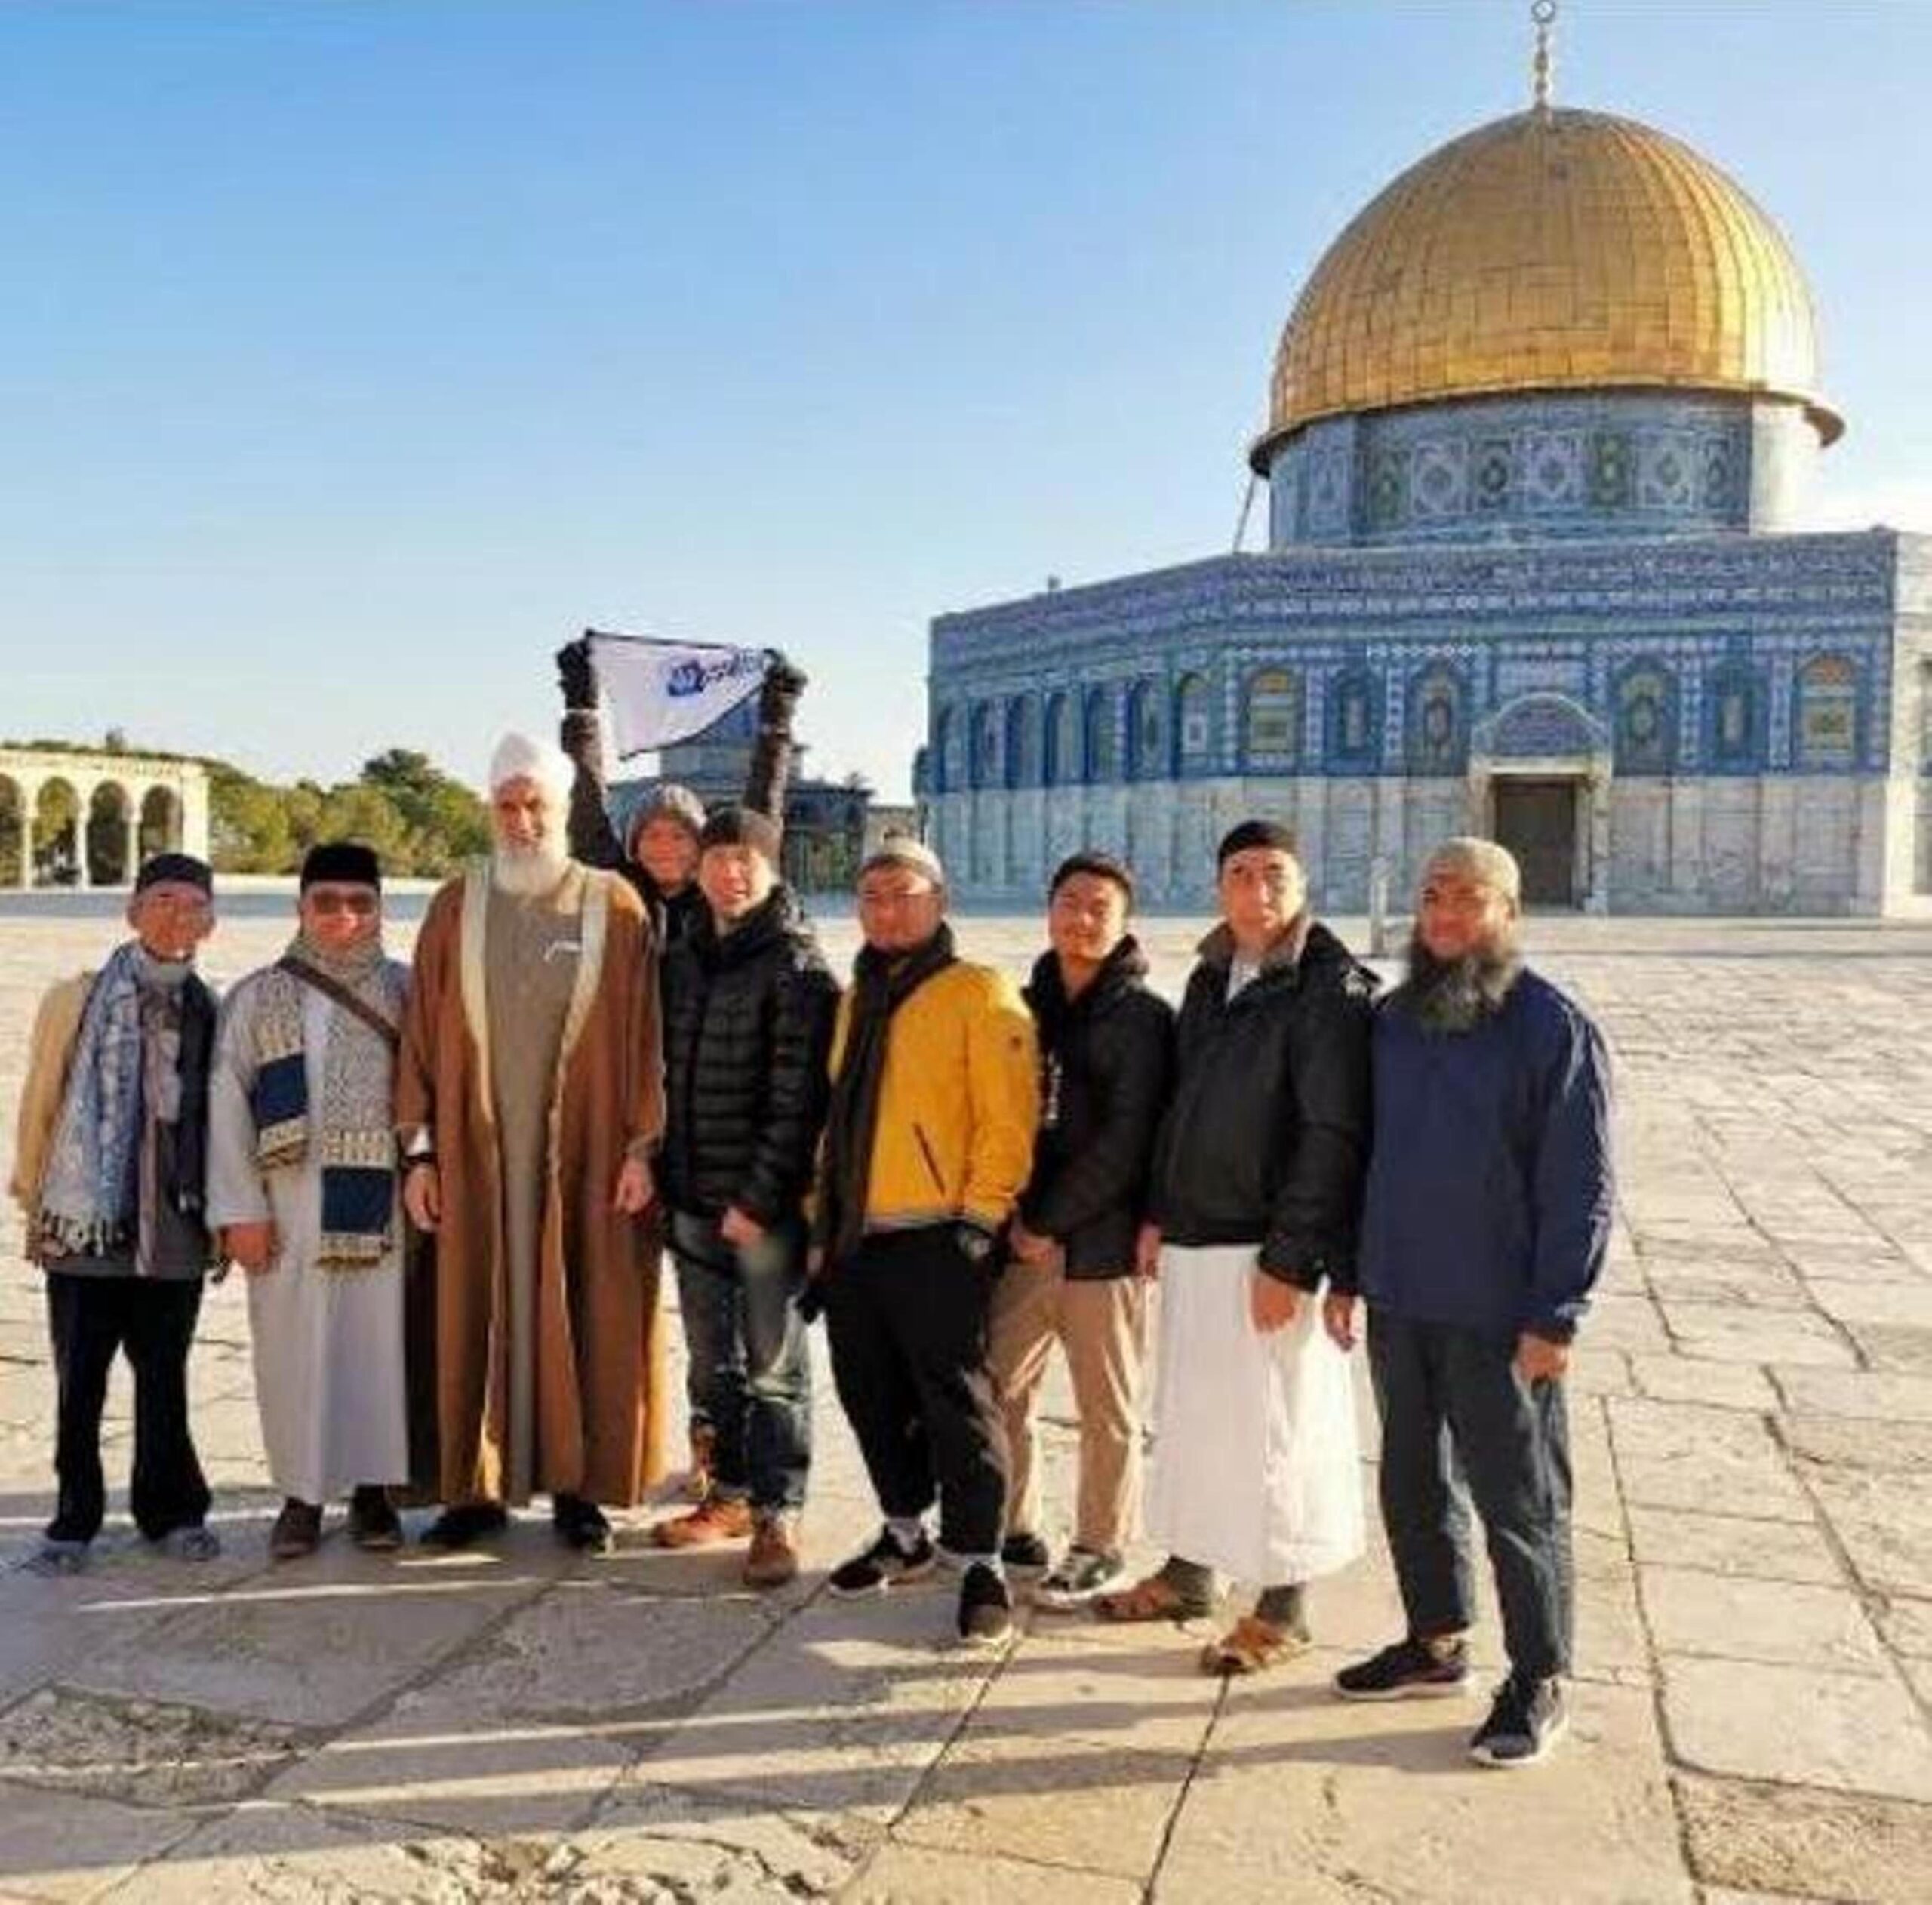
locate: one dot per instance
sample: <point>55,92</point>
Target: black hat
<point>1101,866</point>
<point>184,869</point>
<point>345,862</point>
<point>1270,834</point>
<point>740,827</point>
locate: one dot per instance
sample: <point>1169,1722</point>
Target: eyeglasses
<point>361,906</point>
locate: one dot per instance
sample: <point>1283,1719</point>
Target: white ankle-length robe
<point>328,1341</point>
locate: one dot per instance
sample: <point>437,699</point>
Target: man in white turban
<point>529,1102</point>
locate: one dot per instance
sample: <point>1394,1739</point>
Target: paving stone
<point>1908,1306</point>
<point>1907,1624</point>
<point>842,1711</point>
<point>1736,1333</point>
<point>1628,1323</point>
<point>1058,1802</point>
<point>1681,1455</point>
<point>1730,1544</point>
<point>1854,1393</point>
<point>1761,1286</point>
<point>309,1656</point>
<point>1896,1350</point>
<point>1798,1725</point>
<point>1852,1442</point>
<point>137,1750</point>
<point>1786,1839</point>
<point>1698,1379</point>
<point>1305,1797</point>
<point>1885,1522</point>
<point>914,1875</point>
<point>1739,1619</point>
<point>70,1846</point>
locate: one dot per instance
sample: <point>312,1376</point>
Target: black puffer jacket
<point>1106,1059</point>
<point>747,1028</point>
<point>1266,1138</point>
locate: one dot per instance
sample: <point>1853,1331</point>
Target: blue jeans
<point>749,1371</point>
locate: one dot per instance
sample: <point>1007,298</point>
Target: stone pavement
<point>1753,1430</point>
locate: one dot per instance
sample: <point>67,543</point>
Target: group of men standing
<point>586,1067</point>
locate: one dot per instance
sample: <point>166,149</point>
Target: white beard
<point>528,873</point>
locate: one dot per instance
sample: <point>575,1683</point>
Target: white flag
<point>660,693</point>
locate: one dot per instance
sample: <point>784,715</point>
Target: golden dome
<point>1550,250</point>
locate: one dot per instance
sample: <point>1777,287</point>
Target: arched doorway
<point>13,834</point>
<point>161,822</point>
<point>107,836</point>
<point>56,835</point>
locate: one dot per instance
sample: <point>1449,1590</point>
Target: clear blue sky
<point>355,354</point>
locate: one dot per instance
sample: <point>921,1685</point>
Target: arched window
<point>1438,732</point>
<point>1735,705</point>
<point>1102,762</point>
<point>1645,737</point>
<point>1062,761</point>
<point>1272,724</point>
<point>1194,725</point>
<point>947,754</point>
<point>988,770</point>
<point>1146,733</point>
<point>1354,729</point>
<point>1023,742</point>
<point>1827,726</point>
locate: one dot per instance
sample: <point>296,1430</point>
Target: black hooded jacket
<point>748,1018</point>
<point>1267,1138</point>
<point>1106,1061</point>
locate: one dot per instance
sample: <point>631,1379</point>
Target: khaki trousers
<point>1101,1323</point>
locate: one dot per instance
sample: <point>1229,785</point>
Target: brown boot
<point>710,1524</point>
<point>774,1559</point>
<point>697,1473</point>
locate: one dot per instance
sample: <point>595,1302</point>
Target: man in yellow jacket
<point>935,1100</point>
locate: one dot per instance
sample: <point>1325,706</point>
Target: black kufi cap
<point>184,869</point>
<point>344,862</point>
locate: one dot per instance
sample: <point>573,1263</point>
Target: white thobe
<point>1256,1468</point>
<point>328,1341</point>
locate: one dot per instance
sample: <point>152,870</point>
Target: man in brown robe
<point>529,1100</point>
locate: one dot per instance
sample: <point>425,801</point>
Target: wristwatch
<point>974,1244</point>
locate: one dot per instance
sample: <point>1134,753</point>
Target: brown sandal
<point>1152,1598</point>
<point>1252,1645</point>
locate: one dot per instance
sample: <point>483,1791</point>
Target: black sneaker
<point>1081,1576</point>
<point>885,1564</point>
<point>1026,1553</point>
<point>582,1525</point>
<point>297,1530</point>
<point>986,1606</point>
<point>373,1524</point>
<point>463,1527</point>
<point>1411,1669</point>
<point>1527,1718</point>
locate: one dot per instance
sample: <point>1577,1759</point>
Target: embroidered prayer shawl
<point>88,1203</point>
<point>353,1136</point>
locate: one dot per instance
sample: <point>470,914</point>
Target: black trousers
<point>90,1319</point>
<point>1450,1401</point>
<point>906,1315</point>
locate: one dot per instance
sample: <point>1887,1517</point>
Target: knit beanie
<point>740,827</point>
<point>1270,834</point>
<point>340,863</point>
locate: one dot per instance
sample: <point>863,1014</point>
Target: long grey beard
<point>1457,995</point>
<point>529,873</point>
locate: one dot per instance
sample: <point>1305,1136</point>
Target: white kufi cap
<point>519,757</point>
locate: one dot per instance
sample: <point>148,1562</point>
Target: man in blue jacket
<point>1488,1212</point>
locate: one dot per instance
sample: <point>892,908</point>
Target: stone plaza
<point>1752,1417</point>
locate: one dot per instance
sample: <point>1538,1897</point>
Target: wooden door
<point>1537,820</point>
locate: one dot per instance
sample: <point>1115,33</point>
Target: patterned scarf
<point>354,1137</point>
<point>89,1199</point>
